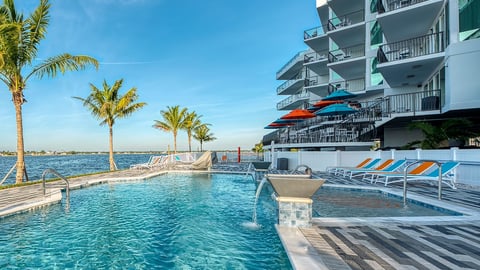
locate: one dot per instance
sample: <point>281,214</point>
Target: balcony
<point>291,86</point>
<point>316,38</point>
<point>317,85</point>
<point>404,19</point>
<point>347,30</point>
<point>348,62</point>
<point>294,101</point>
<point>292,67</point>
<point>317,62</point>
<point>341,7</point>
<point>412,61</point>
<point>354,85</point>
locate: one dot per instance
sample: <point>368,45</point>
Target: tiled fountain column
<point>294,212</point>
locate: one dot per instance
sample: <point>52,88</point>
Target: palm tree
<point>108,105</point>
<point>258,149</point>
<point>202,134</point>
<point>19,42</point>
<point>174,120</point>
<point>192,121</point>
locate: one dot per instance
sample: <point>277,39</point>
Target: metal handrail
<point>405,178</point>
<point>8,174</point>
<point>52,171</point>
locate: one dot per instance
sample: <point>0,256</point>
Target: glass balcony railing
<point>346,20</point>
<point>315,81</point>
<point>390,5</point>
<point>297,57</point>
<point>346,53</point>
<point>290,82</point>
<point>419,46</point>
<point>315,56</point>
<point>313,32</point>
<point>353,85</point>
<point>304,95</point>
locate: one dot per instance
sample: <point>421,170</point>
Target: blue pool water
<point>346,202</point>
<point>169,222</point>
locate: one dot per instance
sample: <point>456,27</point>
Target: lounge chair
<point>394,167</point>
<point>361,172</point>
<point>152,161</point>
<point>370,165</point>
<point>333,170</point>
<point>447,175</point>
<point>417,171</point>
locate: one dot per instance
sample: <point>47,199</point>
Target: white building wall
<point>462,75</point>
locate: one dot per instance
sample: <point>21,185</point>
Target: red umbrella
<point>298,114</point>
<point>278,125</point>
<point>325,103</point>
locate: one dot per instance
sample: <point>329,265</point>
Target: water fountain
<point>253,224</point>
<point>294,196</point>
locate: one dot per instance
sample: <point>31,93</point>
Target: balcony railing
<point>304,95</point>
<point>346,20</point>
<point>346,53</point>
<point>287,84</point>
<point>419,46</point>
<point>390,5</point>
<point>315,56</point>
<point>297,57</point>
<point>316,80</point>
<point>314,32</point>
<point>349,85</point>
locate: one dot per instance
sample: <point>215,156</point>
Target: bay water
<point>68,165</point>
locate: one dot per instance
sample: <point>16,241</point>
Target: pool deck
<point>334,243</point>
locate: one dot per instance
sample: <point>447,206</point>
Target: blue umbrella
<point>336,109</point>
<point>339,94</point>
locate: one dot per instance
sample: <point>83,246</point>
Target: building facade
<point>404,61</point>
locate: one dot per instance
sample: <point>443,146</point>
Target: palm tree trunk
<point>174,142</point>
<point>189,141</point>
<point>201,146</point>
<point>110,156</point>
<point>17,102</point>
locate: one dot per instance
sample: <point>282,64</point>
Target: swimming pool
<point>175,221</point>
<point>356,202</point>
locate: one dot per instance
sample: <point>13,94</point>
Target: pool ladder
<point>405,172</point>
<point>52,171</point>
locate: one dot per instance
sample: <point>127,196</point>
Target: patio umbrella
<point>298,114</point>
<point>336,109</point>
<point>325,103</point>
<point>339,94</point>
<point>277,125</point>
<point>287,121</point>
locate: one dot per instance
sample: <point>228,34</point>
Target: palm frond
<point>62,63</point>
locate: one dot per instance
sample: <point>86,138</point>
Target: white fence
<point>467,173</point>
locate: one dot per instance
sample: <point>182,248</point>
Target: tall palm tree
<point>192,121</point>
<point>173,120</point>
<point>202,134</point>
<point>19,43</point>
<point>108,105</point>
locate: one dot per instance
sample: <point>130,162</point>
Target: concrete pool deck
<point>333,243</point>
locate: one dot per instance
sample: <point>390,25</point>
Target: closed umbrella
<point>339,94</point>
<point>336,109</point>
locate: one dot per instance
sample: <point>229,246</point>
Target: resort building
<point>399,61</point>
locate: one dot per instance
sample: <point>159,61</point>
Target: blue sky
<point>215,57</point>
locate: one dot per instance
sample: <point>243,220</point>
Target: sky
<point>215,57</point>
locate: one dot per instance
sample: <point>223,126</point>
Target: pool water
<point>169,222</point>
<point>346,202</point>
